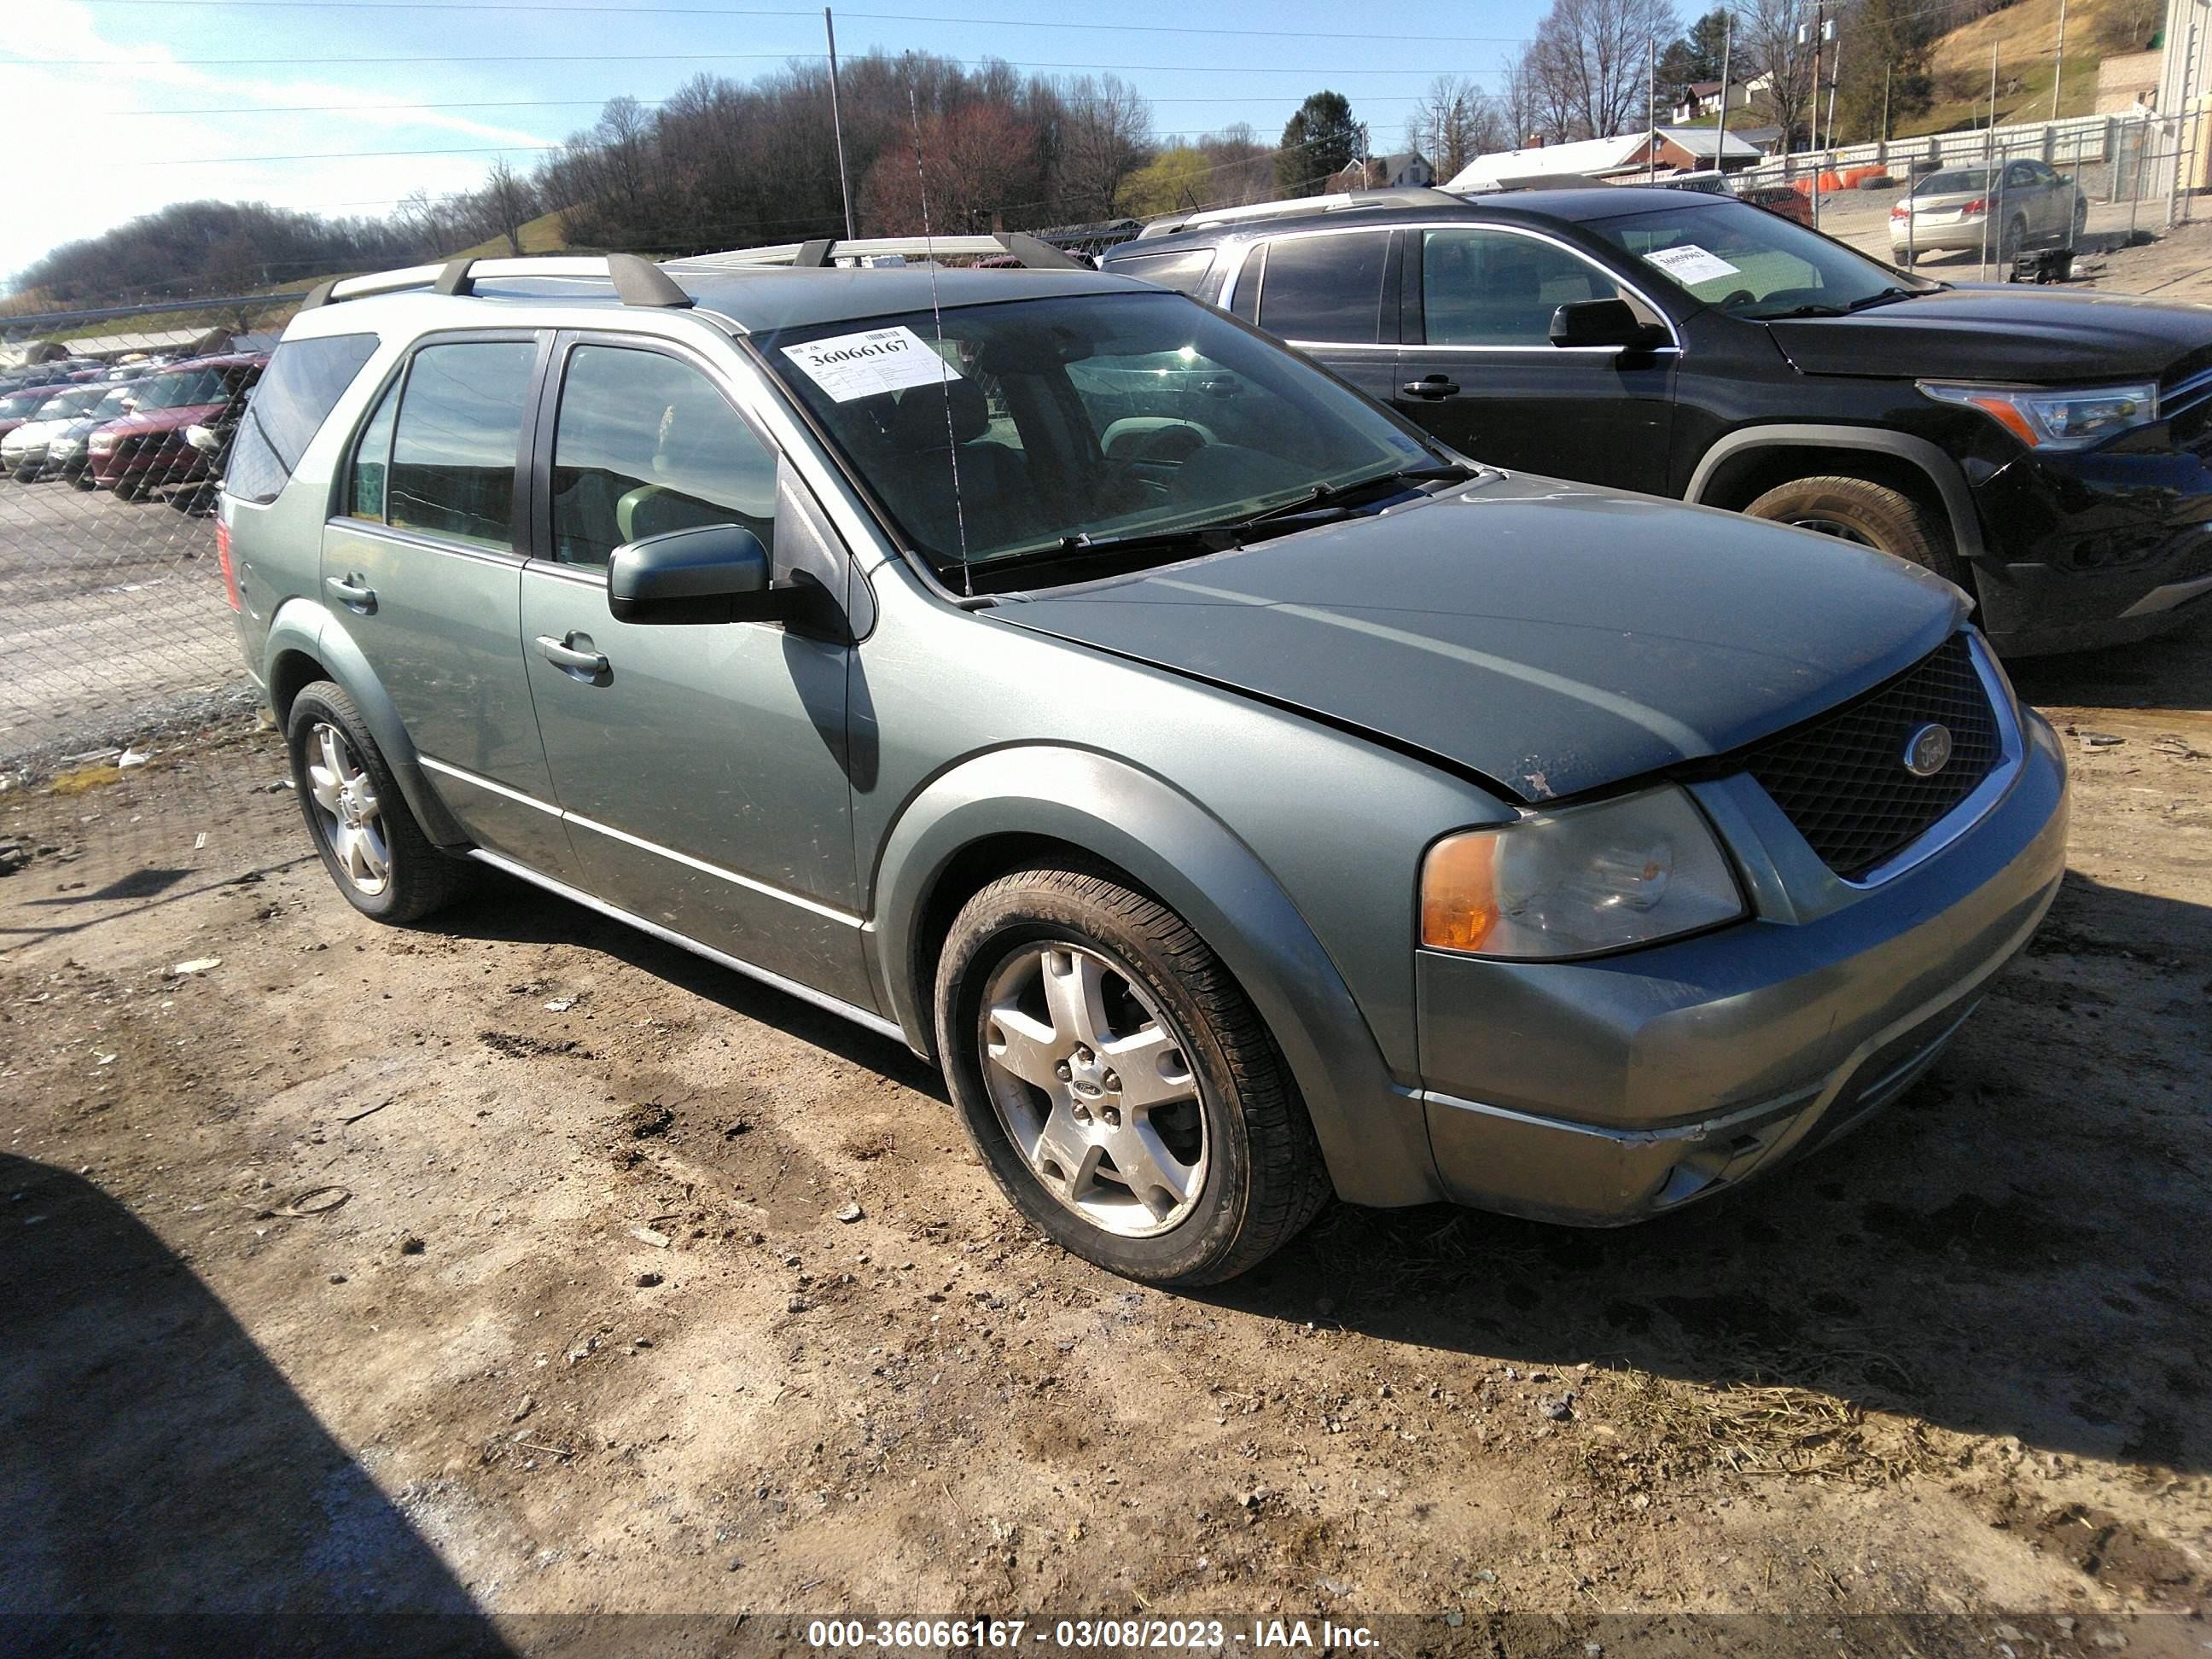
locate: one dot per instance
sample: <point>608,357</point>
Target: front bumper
<point>2100,548</point>
<point>1606,1091</point>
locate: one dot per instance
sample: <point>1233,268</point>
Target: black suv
<point>2046,450</point>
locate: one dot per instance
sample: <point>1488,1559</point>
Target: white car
<point>54,440</point>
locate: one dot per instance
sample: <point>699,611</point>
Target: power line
<point>700,57</point>
<point>442,6</point>
<point>649,103</point>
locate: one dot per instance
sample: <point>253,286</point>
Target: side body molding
<point>1372,1130</point>
<point>304,626</point>
<point>1942,470</point>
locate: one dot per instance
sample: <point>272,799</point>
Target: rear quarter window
<point>1184,271</point>
<point>296,395</point>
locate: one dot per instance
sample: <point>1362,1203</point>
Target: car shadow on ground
<point>165,1488</point>
<point>2171,671</point>
<point>2009,1250</point>
<point>2013,1249</point>
<point>515,911</point>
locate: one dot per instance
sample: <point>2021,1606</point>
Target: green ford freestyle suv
<point>1242,797</point>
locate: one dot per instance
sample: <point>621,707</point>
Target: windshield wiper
<point>1331,496</point>
<point>1883,298</point>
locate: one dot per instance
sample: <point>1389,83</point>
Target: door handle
<point>1433,385</point>
<point>351,594</point>
<point>582,664</point>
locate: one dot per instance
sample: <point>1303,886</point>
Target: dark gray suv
<point>1242,797</point>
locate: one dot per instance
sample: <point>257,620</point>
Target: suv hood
<point>2015,332</point>
<point>1549,637</point>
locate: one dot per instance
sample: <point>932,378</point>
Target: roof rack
<point>636,282</point>
<point>825,251</point>
<point>1399,196</point>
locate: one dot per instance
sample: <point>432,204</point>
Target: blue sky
<point>118,106</point>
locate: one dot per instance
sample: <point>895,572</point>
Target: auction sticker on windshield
<point>1690,265</point>
<point>851,366</point>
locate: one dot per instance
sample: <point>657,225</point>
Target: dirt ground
<point>498,1268</point>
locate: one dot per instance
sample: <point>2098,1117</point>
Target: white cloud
<point>82,158</point>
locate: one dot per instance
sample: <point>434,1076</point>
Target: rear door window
<point>454,445</point>
<point>1326,288</point>
<point>295,394</point>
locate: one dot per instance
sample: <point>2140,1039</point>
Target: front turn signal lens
<point>1458,895</point>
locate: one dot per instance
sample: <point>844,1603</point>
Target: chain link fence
<point>2084,185</point>
<point>112,616</point>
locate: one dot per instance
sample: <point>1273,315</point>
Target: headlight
<point>1580,881</point>
<point>2056,419</point>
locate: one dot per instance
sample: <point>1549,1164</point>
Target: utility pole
<point>1651,108</point>
<point>837,123</point>
<point>1988,161</point>
<point>1835,77</point>
<point>2058,61</point>
<point>1727,38</point>
<point>1820,36</point>
<point>1885,112</point>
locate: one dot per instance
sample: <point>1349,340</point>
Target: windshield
<point>1956,183</point>
<point>79,402</point>
<point>1754,263</point>
<point>114,405</point>
<point>22,403</point>
<point>183,389</point>
<point>1097,414</point>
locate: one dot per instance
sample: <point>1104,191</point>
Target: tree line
<point>931,143</point>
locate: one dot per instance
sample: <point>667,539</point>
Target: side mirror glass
<point>716,574</point>
<point>1605,323</point>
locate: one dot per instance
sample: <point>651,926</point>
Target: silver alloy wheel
<point>1095,1088</point>
<point>353,818</point>
<point>1838,529</point>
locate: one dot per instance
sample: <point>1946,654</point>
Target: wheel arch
<point>1744,464</point>
<point>305,644</point>
<point>1010,808</point>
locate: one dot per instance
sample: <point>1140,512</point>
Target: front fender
<point>305,628</point>
<point>1372,1132</point>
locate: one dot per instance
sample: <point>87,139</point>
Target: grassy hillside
<point>2024,37</point>
<point>541,235</point>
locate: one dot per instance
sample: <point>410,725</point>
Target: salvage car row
<point>111,429</point>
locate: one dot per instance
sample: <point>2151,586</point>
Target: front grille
<point>1842,780</point>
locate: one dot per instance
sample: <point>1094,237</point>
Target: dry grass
<point>1775,1429</point>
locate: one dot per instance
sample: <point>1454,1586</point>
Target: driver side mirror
<point>718,572</point>
<point>202,440</point>
<point>1605,323</point>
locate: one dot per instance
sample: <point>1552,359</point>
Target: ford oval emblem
<point>1927,751</point>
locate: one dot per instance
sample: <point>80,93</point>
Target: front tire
<point>375,852</point>
<point>1117,1082</point>
<point>1870,514</point>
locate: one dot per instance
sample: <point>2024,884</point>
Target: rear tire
<point>1871,514</point>
<point>375,852</point>
<point>1189,1164</point>
<point>2011,240</point>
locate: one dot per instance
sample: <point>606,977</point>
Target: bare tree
<point>506,203</point>
<point>1591,62</point>
<point>1519,102</point>
<point>1455,121</point>
<point>1766,40</point>
<point>1104,134</point>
